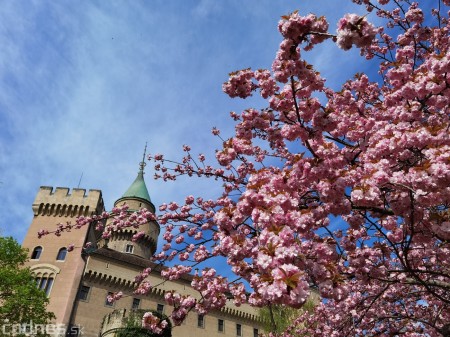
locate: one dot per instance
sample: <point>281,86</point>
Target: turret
<point>136,197</point>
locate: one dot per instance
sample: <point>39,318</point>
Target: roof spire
<point>142,163</point>
<point>138,189</point>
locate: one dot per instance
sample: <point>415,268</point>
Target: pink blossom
<point>114,297</point>
<point>153,323</point>
<point>354,30</point>
<point>240,84</point>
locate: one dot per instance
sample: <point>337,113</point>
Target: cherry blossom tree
<point>343,191</point>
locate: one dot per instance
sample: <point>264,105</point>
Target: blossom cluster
<point>114,297</point>
<point>153,323</point>
<point>182,305</point>
<point>355,30</point>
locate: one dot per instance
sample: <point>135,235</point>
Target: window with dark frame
<point>136,303</point>
<point>48,287</point>
<point>238,329</point>
<point>83,294</point>
<point>220,325</point>
<point>200,321</point>
<point>61,254</point>
<point>36,253</point>
<point>160,308</point>
<point>45,283</point>
<point>108,303</point>
<point>255,332</point>
<point>129,248</point>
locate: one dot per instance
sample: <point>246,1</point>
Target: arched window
<point>44,275</point>
<point>61,254</point>
<point>36,253</point>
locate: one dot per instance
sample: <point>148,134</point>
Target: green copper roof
<point>138,189</point>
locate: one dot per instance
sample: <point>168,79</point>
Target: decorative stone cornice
<point>94,276</point>
<point>241,314</point>
<point>44,267</point>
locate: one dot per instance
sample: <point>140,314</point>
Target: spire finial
<point>142,163</point>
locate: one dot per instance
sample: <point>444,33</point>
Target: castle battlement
<point>63,202</point>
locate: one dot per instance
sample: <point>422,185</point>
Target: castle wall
<point>103,275</point>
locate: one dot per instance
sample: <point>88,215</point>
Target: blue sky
<point>85,84</point>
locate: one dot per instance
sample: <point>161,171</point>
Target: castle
<point>79,282</point>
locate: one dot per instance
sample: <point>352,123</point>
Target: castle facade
<point>79,282</point>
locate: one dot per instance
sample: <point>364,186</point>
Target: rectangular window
<point>220,325</point>
<point>108,303</point>
<point>160,308</point>
<point>129,249</point>
<point>201,321</point>
<point>255,332</point>
<point>83,294</point>
<point>238,330</point>
<point>136,303</point>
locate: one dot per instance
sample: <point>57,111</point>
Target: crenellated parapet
<point>236,313</point>
<point>63,202</point>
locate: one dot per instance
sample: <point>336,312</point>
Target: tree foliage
<point>21,302</point>
<point>346,190</point>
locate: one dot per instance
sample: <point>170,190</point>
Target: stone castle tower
<point>78,283</point>
<point>55,269</point>
<point>136,197</point>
